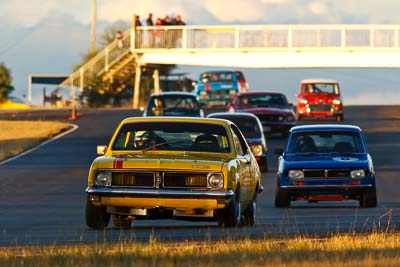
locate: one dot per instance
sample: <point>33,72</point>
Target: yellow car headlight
<point>103,178</point>
<point>257,150</point>
<point>215,180</point>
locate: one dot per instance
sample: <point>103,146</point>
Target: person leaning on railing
<point>150,35</point>
<point>178,33</point>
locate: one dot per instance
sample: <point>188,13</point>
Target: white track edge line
<point>74,127</point>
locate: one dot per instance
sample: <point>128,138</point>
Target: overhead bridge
<point>250,46</point>
<point>270,46</point>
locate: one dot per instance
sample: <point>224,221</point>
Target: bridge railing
<point>265,37</point>
<point>237,38</point>
<point>97,65</point>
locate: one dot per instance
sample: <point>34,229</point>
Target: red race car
<point>319,98</point>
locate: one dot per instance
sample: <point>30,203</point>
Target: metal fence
<point>98,65</point>
<point>266,37</point>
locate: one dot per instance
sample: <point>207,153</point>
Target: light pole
<point>93,28</point>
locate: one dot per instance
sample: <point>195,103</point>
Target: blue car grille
<point>326,173</point>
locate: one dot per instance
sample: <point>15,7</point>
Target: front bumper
<point>333,111</point>
<point>326,190</point>
<point>153,198</point>
<point>277,127</point>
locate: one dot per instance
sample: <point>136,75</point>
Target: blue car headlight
<point>357,174</point>
<point>296,174</point>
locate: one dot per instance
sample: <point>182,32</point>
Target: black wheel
<point>96,217</point>
<point>339,118</point>
<point>282,198</point>
<point>231,216</point>
<point>251,212</point>
<point>369,199</point>
<point>121,221</point>
<point>298,116</point>
<point>264,165</point>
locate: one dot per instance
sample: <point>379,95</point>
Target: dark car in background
<point>219,87</point>
<point>173,104</point>
<point>325,163</point>
<point>251,128</point>
<point>273,110</point>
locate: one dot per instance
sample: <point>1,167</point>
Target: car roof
<point>233,114</point>
<point>319,80</point>
<point>173,93</point>
<point>217,71</point>
<point>258,93</point>
<point>175,119</point>
<point>325,127</point>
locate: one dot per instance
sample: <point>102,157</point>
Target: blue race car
<point>325,162</point>
<point>218,88</point>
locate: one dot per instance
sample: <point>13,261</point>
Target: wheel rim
<point>238,212</point>
<point>254,210</point>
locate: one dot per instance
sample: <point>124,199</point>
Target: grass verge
<point>340,250</point>
<point>18,136</point>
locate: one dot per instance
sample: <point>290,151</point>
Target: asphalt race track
<point>42,193</point>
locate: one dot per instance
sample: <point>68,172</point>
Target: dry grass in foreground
<point>343,250</point>
<point>18,136</point>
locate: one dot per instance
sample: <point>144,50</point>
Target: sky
<point>49,36</point>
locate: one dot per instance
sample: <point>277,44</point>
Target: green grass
<point>18,136</point>
<point>340,250</point>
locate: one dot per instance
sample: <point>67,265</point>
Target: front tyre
<point>369,198</point>
<point>282,198</point>
<point>339,118</point>
<point>298,116</point>
<point>231,215</point>
<point>96,217</point>
<point>250,213</point>
<point>264,165</point>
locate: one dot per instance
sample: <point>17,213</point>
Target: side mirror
<point>278,151</point>
<point>101,150</point>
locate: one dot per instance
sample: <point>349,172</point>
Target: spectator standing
<point>149,20</point>
<point>119,36</point>
<point>158,33</point>
<point>137,21</point>
<point>178,33</point>
<point>139,34</point>
<point>178,21</point>
<point>166,21</point>
<point>168,34</point>
<point>150,36</point>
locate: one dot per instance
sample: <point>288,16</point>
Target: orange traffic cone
<point>74,114</point>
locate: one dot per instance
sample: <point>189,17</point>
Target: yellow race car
<point>173,167</point>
